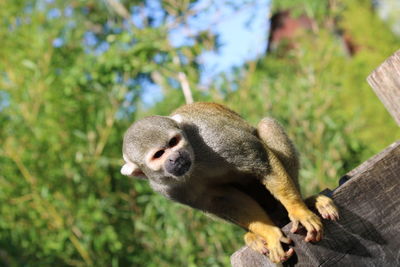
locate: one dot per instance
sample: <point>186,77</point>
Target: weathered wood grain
<point>385,80</point>
<point>368,231</point>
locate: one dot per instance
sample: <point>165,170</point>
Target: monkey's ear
<point>132,170</point>
<point>177,118</point>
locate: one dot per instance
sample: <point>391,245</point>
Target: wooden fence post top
<point>385,80</point>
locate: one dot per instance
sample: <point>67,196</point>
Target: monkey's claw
<point>295,226</point>
<point>327,208</point>
<point>311,222</point>
<point>276,255</point>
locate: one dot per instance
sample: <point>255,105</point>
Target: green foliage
<point>377,42</point>
<point>70,81</point>
<point>72,75</point>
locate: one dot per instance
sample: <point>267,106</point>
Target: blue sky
<point>242,33</point>
<point>243,36</point>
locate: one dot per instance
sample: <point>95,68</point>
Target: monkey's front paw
<point>271,248</point>
<point>310,221</point>
<point>326,208</point>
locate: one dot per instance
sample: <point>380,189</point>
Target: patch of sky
<point>174,83</point>
<point>151,10</point>
<point>242,37</point>
<point>137,16</point>
<point>180,36</point>
<point>58,42</point>
<point>152,94</point>
<point>388,10</point>
<point>68,11</point>
<point>89,38</point>
<point>53,13</point>
<point>41,5</point>
<point>101,48</point>
<point>4,100</point>
<point>111,27</point>
<point>88,76</point>
<point>157,15</point>
<point>127,106</point>
<point>13,26</point>
<point>118,78</point>
<point>85,10</point>
<point>159,58</point>
<point>5,77</point>
<point>28,9</point>
<point>18,21</point>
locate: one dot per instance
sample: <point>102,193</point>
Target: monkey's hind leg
<point>282,180</point>
<point>275,138</point>
<point>324,205</point>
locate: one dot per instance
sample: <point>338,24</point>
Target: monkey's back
<point>209,113</point>
<point>223,136</point>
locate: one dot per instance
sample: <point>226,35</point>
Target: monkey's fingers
<point>327,208</point>
<point>295,226</point>
<point>313,236</point>
<point>274,251</point>
<point>329,213</point>
<point>265,251</point>
<point>286,240</point>
<point>310,221</point>
<point>314,229</point>
<point>288,254</point>
<point>277,254</point>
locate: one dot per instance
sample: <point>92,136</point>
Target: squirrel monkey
<point>204,154</point>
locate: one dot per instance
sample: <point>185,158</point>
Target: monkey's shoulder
<point>211,117</point>
<point>207,109</point>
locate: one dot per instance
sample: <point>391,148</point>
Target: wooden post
<point>385,80</point>
<point>368,231</point>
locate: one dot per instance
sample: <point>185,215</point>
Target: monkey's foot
<point>275,254</point>
<point>326,208</point>
<point>310,221</point>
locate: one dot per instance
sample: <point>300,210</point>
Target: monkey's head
<point>156,147</point>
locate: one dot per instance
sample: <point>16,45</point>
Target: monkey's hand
<point>309,220</point>
<point>325,207</point>
<point>271,248</point>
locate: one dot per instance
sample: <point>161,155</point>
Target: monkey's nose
<point>178,163</point>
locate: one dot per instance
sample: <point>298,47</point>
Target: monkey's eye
<point>173,142</point>
<point>158,154</point>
